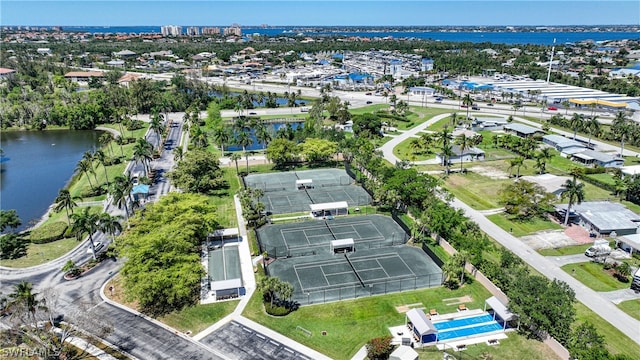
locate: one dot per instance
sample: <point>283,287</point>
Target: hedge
<point>48,232</point>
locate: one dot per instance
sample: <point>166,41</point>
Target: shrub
<point>379,348</point>
<point>12,246</point>
<point>48,232</point>
<point>276,310</point>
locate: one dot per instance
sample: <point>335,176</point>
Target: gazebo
<point>329,209</point>
<point>422,328</point>
<point>500,310</point>
<point>140,191</point>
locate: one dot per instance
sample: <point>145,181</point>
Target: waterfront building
<point>171,30</point>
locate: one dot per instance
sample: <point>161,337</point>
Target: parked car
<point>368,93</point>
<point>552,108</point>
<point>369,102</point>
<point>464,106</point>
<point>438,99</point>
<point>253,113</point>
<point>475,107</point>
<point>489,104</point>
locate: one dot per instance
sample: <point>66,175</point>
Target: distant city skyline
<point>319,13</point>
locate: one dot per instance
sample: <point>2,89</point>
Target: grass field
<point>594,276</point>
<point>522,228</point>
<point>372,316</point>
<point>631,307</point>
<point>41,253</point>
<point>199,317</point>
<point>567,250</point>
<point>615,341</point>
<point>223,199</point>
<point>479,192</point>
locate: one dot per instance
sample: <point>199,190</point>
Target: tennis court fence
<point>355,291</point>
<point>285,252</point>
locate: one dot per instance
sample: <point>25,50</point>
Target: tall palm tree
<point>516,163</point>
<point>235,156</point>
<point>109,224</point>
<point>468,101</point>
<point>621,127</point>
<point>576,122</point>
<point>143,153</point>
<point>542,157</point>
<point>178,153</point>
<point>106,139</point>
<point>89,157</point>
<point>464,143</point>
<point>593,126</point>
<point>64,200</point>
<point>262,134</point>
<point>85,166</point>
<point>120,192</point>
<point>445,138</point>
<point>199,137</point>
<point>221,135</point>
<point>102,159</point>
<point>573,190</point>
<point>85,222</point>
<point>23,297</point>
<point>156,126</point>
<point>244,140</point>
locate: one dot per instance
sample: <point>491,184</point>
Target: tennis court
<point>332,277</point>
<point>314,236</point>
<point>282,196</point>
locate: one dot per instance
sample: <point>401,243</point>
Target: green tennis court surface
<point>314,237</point>
<point>331,277</point>
<point>282,196</point>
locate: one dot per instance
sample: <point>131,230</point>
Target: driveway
<point>618,296</point>
<point>568,259</point>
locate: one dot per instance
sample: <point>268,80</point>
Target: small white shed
<point>404,352</point>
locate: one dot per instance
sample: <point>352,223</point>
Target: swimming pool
<point>468,331</point>
<point>455,323</point>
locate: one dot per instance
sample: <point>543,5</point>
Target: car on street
<point>99,245</point>
<point>369,102</point>
<point>552,108</point>
<point>368,93</point>
<point>464,106</point>
<point>475,107</point>
<point>253,113</point>
<point>489,104</point>
<point>438,99</point>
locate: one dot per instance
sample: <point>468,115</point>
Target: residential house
<point>596,158</point>
<point>602,217</point>
<point>521,130</point>
<point>468,155</point>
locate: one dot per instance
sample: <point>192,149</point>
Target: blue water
<point>474,330</point>
<point>538,38</point>
<point>279,100</point>
<point>462,322</point>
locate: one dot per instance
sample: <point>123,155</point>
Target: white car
<point>98,247</point>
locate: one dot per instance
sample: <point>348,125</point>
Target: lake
<point>39,164</point>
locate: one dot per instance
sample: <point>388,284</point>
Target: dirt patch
<point>458,181</point>
<point>114,291</point>
<point>404,308</point>
<point>548,240</point>
<point>458,300</point>
<point>489,172</point>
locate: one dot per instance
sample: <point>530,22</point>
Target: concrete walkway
<point>568,259</point>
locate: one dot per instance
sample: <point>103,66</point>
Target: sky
<point>311,12</point>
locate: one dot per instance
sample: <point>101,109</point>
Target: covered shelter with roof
<point>469,154</point>
<point>140,192</point>
<point>521,130</point>
<point>329,209</point>
<point>629,243</point>
<point>422,328</point>
<point>500,312</point>
<point>404,352</point>
<point>599,103</point>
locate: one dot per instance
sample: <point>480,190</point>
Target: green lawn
<point>223,199</point>
<point>371,315</point>
<point>405,152</point>
<point>478,191</point>
<point>631,307</point>
<point>199,317</point>
<point>616,342</point>
<point>41,253</point>
<point>605,178</point>
<point>567,250</point>
<point>522,228</point>
<point>514,347</point>
<point>594,276</point>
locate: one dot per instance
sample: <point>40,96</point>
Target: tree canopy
<point>198,171</point>
<point>524,200</point>
<point>163,271</point>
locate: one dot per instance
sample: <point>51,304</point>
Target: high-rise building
<point>171,30</point>
<point>232,30</point>
<point>193,31</point>
<point>210,31</point>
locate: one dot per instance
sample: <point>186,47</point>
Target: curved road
<point>593,300</point>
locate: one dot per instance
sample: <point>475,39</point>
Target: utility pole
<point>551,60</point>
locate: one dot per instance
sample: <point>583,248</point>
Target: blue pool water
<point>468,331</point>
<point>455,323</point>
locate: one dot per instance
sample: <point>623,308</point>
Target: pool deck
<point>402,331</point>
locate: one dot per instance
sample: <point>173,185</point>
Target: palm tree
<point>573,190</point>
<point>262,134</point>
<point>178,153</point>
<point>85,222</point>
<point>143,153</point>
<point>109,224</point>
<point>541,159</point>
<point>593,126</point>
<point>444,139</point>
<point>102,159</point>
<point>106,139</point>
<point>221,136</point>
<point>89,157</point>
<point>468,101</point>
<point>235,156</point>
<point>199,137</point>
<point>156,126</point>
<point>85,166</point>
<point>121,191</point>
<point>621,127</point>
<point>23,297</point>
<point>64,200</point>
<point>517,163</point>
<point>464,143</point>
<point>576,122</point>
<point>244,140</point>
